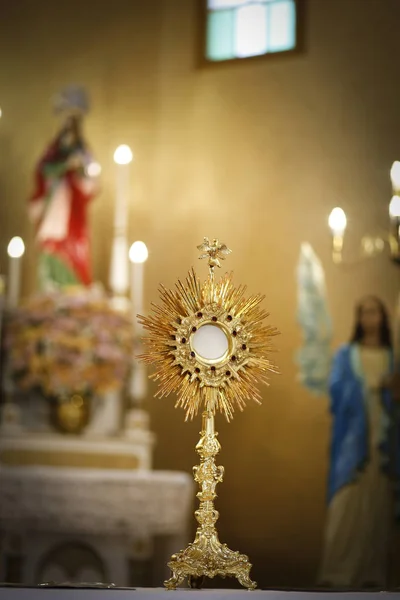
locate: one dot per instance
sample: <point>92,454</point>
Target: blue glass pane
<point>281,20</point>
<point>251,30</point>
<point>220,35</point>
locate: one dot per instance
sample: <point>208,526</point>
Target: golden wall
<point>256,153</point>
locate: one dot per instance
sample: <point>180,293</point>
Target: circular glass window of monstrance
<point>210,343</point>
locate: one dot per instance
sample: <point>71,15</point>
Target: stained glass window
<point>244,28</point>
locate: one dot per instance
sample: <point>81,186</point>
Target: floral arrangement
<point>67,342</point>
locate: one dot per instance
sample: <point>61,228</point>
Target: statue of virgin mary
<point>363,386</point>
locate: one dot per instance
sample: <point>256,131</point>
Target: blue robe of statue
<point>350,440</point>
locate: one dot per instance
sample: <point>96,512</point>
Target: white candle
<point>16,249</point>
<point>2,288</point>
<point>397,332</point>
<point>119,271</point>
<point>138,255</point>
<point>121,191</point>
<point>137,281</point>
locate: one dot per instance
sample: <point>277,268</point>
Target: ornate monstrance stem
<point>206,556</point>
<point>210,346</point>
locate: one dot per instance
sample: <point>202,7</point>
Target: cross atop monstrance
<point>210,347</point>
<point>214,252</point>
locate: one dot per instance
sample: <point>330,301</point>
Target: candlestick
<point>16,249</point>
<point>138,382</point>
<point>119,272</point>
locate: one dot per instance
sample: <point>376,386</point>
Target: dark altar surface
<point>14,593</point>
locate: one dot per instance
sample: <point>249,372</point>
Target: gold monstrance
<point>210,346</point>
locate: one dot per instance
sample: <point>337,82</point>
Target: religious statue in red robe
<point>65,183</point>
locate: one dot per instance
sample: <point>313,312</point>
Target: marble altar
<point>115,514</point>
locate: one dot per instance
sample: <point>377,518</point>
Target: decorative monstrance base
<point>206,556</point>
